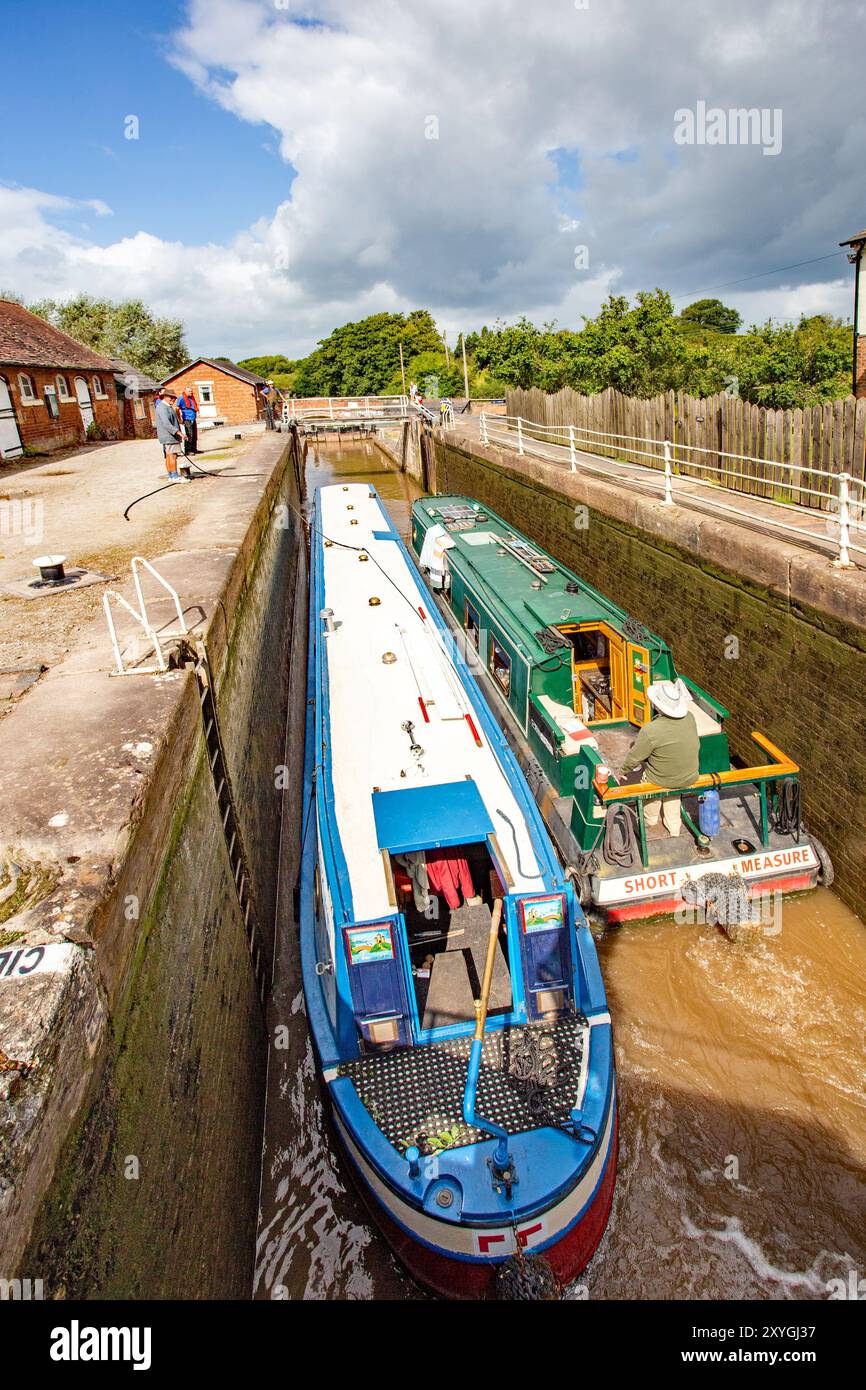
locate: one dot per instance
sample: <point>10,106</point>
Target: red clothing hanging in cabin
<point>446,872</point>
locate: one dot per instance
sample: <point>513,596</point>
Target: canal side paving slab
<point>83,752</point>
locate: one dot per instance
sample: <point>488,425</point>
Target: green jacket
<point>669,750</point>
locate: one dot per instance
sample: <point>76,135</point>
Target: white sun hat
<point>670,698</point>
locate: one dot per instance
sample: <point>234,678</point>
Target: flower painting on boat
<point>365,944</point>
<point>542,914</point>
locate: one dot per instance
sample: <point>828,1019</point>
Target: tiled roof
<point>28,341</point>
<point>229,367</point>
<point>124,370</point>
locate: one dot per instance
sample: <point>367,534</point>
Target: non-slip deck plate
<point>530,1078</point>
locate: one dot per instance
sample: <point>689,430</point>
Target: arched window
<point>27,389</point>
<point>98,389</point>
<point>63,393</point>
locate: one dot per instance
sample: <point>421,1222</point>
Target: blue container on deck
<point>709,814</point>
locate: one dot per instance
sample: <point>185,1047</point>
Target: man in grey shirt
<point>169,433</point>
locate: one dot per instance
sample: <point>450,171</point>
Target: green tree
<point>636,349</point>
<point>361,359</point>
<point>712,313</point>
<point>127,329</point>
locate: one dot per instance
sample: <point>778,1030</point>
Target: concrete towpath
<point>74,506</point>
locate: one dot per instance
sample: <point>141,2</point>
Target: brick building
<point>858,258</point>
<point>226,394</point>
<point>52,389</point>
<point>136,400</point>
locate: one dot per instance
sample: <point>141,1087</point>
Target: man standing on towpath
<point>169,433</point>
<point>187,408</point>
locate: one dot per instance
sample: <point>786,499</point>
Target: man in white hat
<point>668,747</point>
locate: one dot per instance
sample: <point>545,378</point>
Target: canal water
<point>742,1102</point>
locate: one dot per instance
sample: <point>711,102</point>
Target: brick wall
<point>861,366</point>
<point>37,428</point>
<point>236,401</point>
<point>137,425</point>
<point>798,675</point>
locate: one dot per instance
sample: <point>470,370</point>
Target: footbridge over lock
<point>350,413</point>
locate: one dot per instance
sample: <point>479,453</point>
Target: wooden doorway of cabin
<point>599,672</point>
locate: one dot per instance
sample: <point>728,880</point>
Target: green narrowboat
<point>567,673</point>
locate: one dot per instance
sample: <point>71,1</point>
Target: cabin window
<point>472,623</point>
<point>500,666</point>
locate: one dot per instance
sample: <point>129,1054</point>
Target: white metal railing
<point>840,497</point>
<point>143,618</point>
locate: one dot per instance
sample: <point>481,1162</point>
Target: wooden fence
<point>830,438</point>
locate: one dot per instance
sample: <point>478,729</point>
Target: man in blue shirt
<point>187,408</point>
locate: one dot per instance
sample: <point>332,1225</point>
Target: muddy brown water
<point>742,1103</point>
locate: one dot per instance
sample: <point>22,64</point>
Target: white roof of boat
<point>369,700</point>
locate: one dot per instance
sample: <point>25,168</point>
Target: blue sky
<point>71,83</point>
<point>450,156</point>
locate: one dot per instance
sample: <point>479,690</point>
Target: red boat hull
<point>465,1279</point>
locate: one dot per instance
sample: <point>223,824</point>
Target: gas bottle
<point>709,813</point>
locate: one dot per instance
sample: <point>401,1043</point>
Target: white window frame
<point>63,389</point>
<point>27,390</point>
<point>51,392</point>
<point>200,388</point>
<point>98,391</point>
<point>138,407</point>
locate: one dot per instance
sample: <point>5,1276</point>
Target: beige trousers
<point>668,809</point>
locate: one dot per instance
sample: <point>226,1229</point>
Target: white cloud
<point>473,224</point>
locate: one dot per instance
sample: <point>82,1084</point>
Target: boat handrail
<point>781,766</point>
<point>637,793</point>
<point>500,1156</point>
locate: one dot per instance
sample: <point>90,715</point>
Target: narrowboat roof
<point>517,581</point>
<point>385,651</point>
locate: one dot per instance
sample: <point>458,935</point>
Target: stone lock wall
<point>154,1191</point>
<point>774,633</point>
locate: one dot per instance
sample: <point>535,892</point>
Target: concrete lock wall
<point>130,1157</point>
<point>405,445</point>
<point>774,632</point>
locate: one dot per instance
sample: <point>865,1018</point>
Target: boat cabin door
<point>599,671</point>
<point>637,682</point>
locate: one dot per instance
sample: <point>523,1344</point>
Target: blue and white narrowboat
<point>452,985</point>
